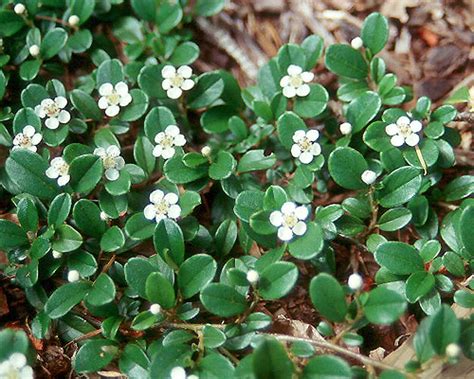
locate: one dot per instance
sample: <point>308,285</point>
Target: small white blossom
<point>345,128</point>
<point>206,151</point>
<point>404,131</point>
<point>103,216</point>
<point>305,147</point>
<point>357,43</point>
<point>162,206</point>
<point>155,309</point>
<point>167,140</point>
<point>19,8</point>
<point>295,83</point>
<point>59,169</point>
<point>253,277</point>
<point>176,81</point>
<point>57,254</point>
<point>114,97</point>
<point>73,276</point>
<point>355,282</point>
<point>453,350</point>
<point>111,160</point>
<point>368,177</point>
<point>289,220</point>
<point>27,139</point>
<point>73,20</point>
<point>53,111</point>
<point>34,50</point>
<point>180,373</point>
<point>15,368</point>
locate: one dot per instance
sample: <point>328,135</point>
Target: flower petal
<point>121,88</point>
<point>301,212</point>
<point>119,163</point>
<point>112,174</point>
<point>306,157</point>
<point>174,93</point>
<point>125,100</point>
<point>288,208</point>
<point>166,84</point>
<point>307,76</point>
<point>187,84</point>
<point>156,196</point>
<point>168,72</point>
<point>285,233</point>
<point>294,70</point>
<point>157,151</point>
<point>403,121</point>
<point>103,103</point>
<point>168,153</point>
<point>159,137</point>
<point>52,173</point>
<point>295,150</point>
<point>149,212</point>
<point>100,151</point>
<point>36,139</point>
<point>112,110</point>
<point>60,101</point>
<point>312,135</point>
<point>52,123</point>
<point>63,180</point>
<point>179,140</point>
<point>300,228</point>
<point>171,198</point>
<point>106,89</point>
<point>276,218</point>
<point>415,126</point>
<point>392,129</point>
<point>289,92</point>
<point>64,117</point>
<point>39,111</point>
<point>316,149</point>
<point>299,135</point>
<point>303,90</point>
<point>113,151</point>
<point>174,211</point>
<point>397,140</point>
<point>29,131</point>
<point>412,139</point>
<point>172,130</point>
<point>285,81</point>
<point>185,71</point>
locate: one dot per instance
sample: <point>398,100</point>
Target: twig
<point>465,116</point>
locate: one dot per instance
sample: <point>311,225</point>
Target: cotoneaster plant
<point>153,211</point>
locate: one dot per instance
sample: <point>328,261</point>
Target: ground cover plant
<point>153,214</point>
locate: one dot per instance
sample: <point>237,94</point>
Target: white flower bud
<point>206,151</point>
<point>453,350</point>
<point>19,8</point>
<point>355,282</point>
<point>73,276</point>
<point>34,50</point>
<point>253,277</point>
<point>57,254</point>
<point>345,128</point>
<point>178,373</point>
<point>1,42</point>
<point>103,216</point>
<point>368,177</point>
<point>155,309</point>
<point>357,43</point>
<point>73,20</point>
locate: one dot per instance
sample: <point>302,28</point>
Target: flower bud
<point>357,43</point>
<point>73,276</point>
<point>155,309</point>
<point>34,50</point>
<point>355,282</point>
<point>345,128</point>
<point>453,350</point>
<point>73,20</point>
<point>368,177</point>
<point>19,8</point>
<point>206,151</point>
<point>57,254</point>
<point>103,216</point>
<point>253,277</point>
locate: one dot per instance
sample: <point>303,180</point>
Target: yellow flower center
<point>177,80</point>
<point>167,141</point>
<point>405,130</point>
<point>305,144</point>
<point>51,110</point>
<point>113,98</point>
<point>296,81</point>
<point>25,141</point>
<point>109,162</point>
<point>162,207</point>
<point>290,220</point>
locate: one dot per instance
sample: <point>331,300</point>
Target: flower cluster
<point>15,367</point>
<point>290,220</point>
<point>54,112</point>
<point>114,97</point>
<point>111,160</point>
<point>305,147</point>
<point>404,131</point>
<point>167,140</point>
<point>27,139</point>
<point>162,206</point>
<point>59,169</point>
<point>296,82</point>
<point>176,81</point>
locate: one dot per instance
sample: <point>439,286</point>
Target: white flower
<point>162,206</point>
<point>206,151</point>
<point>355,282</point>
<point>73,20</point>
<point>16,368</point>
<point>289,220</point>
<point>103,216</point>
<point>28,139</point>
<point>114,97</point>
<point>176,81</point>
<point>155,309</point>
<point>345,128</point>
<point>253,277</point>
<point>404,131</point>
<point>59,169</point>
<point>34,50</point>
<point>73,276</point>
<point>295,83</point>
<point>53,110</point>
<point>357,43</point>
<point>167,140</point>
<point>180,373</point>
<point>19,8</point>
<point>57,254</point>
<point>368,177</point>
<point>453,350</point>
<point>111,160</point>
<point>305,147</point>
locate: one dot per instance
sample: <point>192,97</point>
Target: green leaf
<point>137,107</point>
<point>459,188</point>
<point>11,235</point>
<point>185,53</point>
<point>345,61</point>
<point>65,298</point>
<point>376,138</point>
<point>362,110</point>
<point>139,228</point>
<point>112,240</point>
<point>328,297</point>
<point>177,172</point>
<point>213,337</point>
<point>444,329</point>
<point>374,32</point>
<point>28,214</point>
<point>313,48</point>
<point>313,104</point>
<point>11,23</point>
<point>208,8</point>
<point>399,258</point>
<point>146,9</point>
<point>196,273</point>
<point>59,209</point>
<point>82,9</point>
<point>86,171</point>
<point>399,187</point>
<point>27,170</point>
<point>136,272</point>
<point>277,363</point>
<point>94,355</point>
<point>87,217</point>
<point>223,166</point>
<point>384,306</point>
<point>109,71</point>
<point>29,69</point>
<point>277,280</point>
<point>66,239</point>
<point>223,300</point>
<point>85,104</point>
<point>418,285</point>
<point>255,160</point>
<point>53,41</point>
<point>287,125</point>
<point>169,241</point>
<point>169,15</point>
<point>143,154</point>
<point>247,203</point>
<point>225,237</point>
<point>347,176</point>
<point>394,219</point>
<point>102,292</point>
<point>290,54</point>
<point>310,244</point>
<point>466,225</point>
<point>208,89</point>
<point>216,119</point>
<point>327,367</point>
<point>159,290</point>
